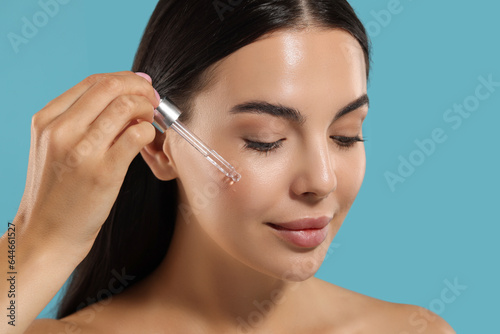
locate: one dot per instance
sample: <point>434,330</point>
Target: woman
<point>160,242</point>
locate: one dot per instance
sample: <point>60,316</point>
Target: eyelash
<point>344,143</point>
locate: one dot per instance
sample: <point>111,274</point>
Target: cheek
<point>215,201</point>
<point>355,174</point>
<point>262,186</point>
<point>350,177</point>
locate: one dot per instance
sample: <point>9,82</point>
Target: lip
<point>306,232</point>
<point>303,224</point>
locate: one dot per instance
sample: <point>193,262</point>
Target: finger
<point>129,144</point>
<point>88,107</point>
<point>148,78</point>
<point>116,118</point>
<point>62,103</point>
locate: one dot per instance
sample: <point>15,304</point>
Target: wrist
<point>44,247</point>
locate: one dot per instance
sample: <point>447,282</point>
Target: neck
<point>199,277</point>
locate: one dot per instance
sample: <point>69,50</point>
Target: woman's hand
<point>82,144</point>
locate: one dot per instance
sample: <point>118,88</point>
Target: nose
<point>315,177</point>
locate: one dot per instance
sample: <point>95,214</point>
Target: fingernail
<point>145,76</point>
<point>157,95</point>
<point>148,78</point>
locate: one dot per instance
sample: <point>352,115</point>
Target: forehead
<point>295,66</point>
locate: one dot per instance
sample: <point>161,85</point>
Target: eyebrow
<point>289,113</point>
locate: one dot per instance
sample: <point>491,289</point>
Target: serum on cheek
<point>166,116</point>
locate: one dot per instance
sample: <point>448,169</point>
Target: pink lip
<point>303,224</point>
<point>308,232</point>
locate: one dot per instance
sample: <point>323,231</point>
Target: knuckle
<point>57,133</point>
<point>111,84</point>
<point>93,79</point>
<point>147,87</point>
<point>126,103</point>
<point>37,122</point>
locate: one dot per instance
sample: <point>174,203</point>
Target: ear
<point>158,157</point>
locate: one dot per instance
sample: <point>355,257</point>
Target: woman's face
<point>306,174</point>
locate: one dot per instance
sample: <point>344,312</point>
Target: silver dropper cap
<point>165,115</point>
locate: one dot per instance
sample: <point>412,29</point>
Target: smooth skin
<point>227,271</point>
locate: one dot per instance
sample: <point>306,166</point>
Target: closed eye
<point>263,147</point>
<point>343,142</point>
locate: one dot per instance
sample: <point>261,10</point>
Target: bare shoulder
<point>84,321</point>
<point>43,326</point>
<point>115,314</point>
<point>408,319</point>
<point>96,318</point>
<point>365,314</point>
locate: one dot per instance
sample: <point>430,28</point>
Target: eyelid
<point>264,132</point>
<point>263,147</point>
<point>343,143</point>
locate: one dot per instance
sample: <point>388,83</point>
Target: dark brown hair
<point>181,46</point>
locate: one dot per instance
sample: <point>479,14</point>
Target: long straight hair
<point>183,41</point>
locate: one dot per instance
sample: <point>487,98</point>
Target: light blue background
<point>440,224</point>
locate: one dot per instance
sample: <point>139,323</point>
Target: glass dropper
<point>166,116</point>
